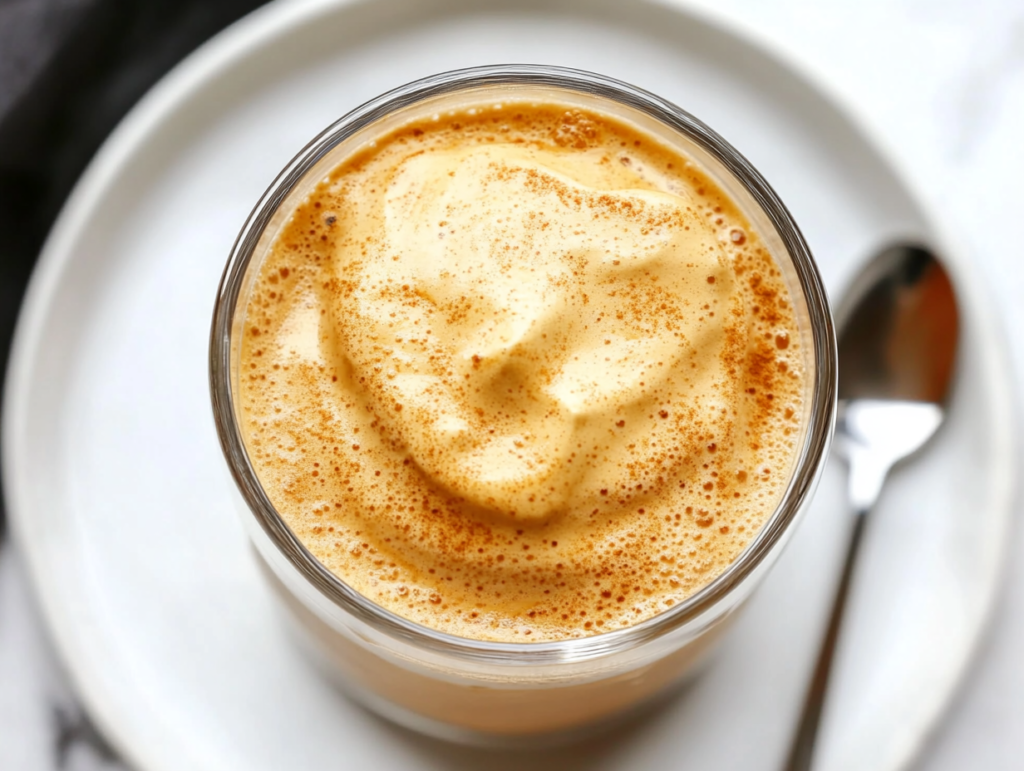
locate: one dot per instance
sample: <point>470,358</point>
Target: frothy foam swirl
<point>508,315</point>
<point>521,373</point>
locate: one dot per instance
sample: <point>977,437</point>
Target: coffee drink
<point>524,376</point>
<point>521,371</point>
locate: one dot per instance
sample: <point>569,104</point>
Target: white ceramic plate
<point>117,487</point>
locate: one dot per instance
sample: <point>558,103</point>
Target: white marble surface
<point>942,84</point>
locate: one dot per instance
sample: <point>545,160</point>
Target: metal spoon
<point>898,329</point>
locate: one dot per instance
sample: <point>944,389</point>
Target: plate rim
<point>278,20</point>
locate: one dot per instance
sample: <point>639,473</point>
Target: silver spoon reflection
<point>898,330</point>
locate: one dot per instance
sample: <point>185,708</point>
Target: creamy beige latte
<point>521,372</point>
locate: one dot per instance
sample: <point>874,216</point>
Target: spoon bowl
<point>898,328</point>
<point>898,331</point>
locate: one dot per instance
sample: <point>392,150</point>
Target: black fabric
<point>69,71</point>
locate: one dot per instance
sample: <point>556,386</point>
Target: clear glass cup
<point>488,692</point>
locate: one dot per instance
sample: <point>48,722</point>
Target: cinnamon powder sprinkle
<point>521,373</point>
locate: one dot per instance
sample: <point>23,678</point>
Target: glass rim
<point>808,463</point>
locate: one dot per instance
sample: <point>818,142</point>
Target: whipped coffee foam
<point>521,373</point>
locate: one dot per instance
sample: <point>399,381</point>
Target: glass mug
<point>479,691</point>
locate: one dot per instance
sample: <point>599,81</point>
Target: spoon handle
<point>801,752</point>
